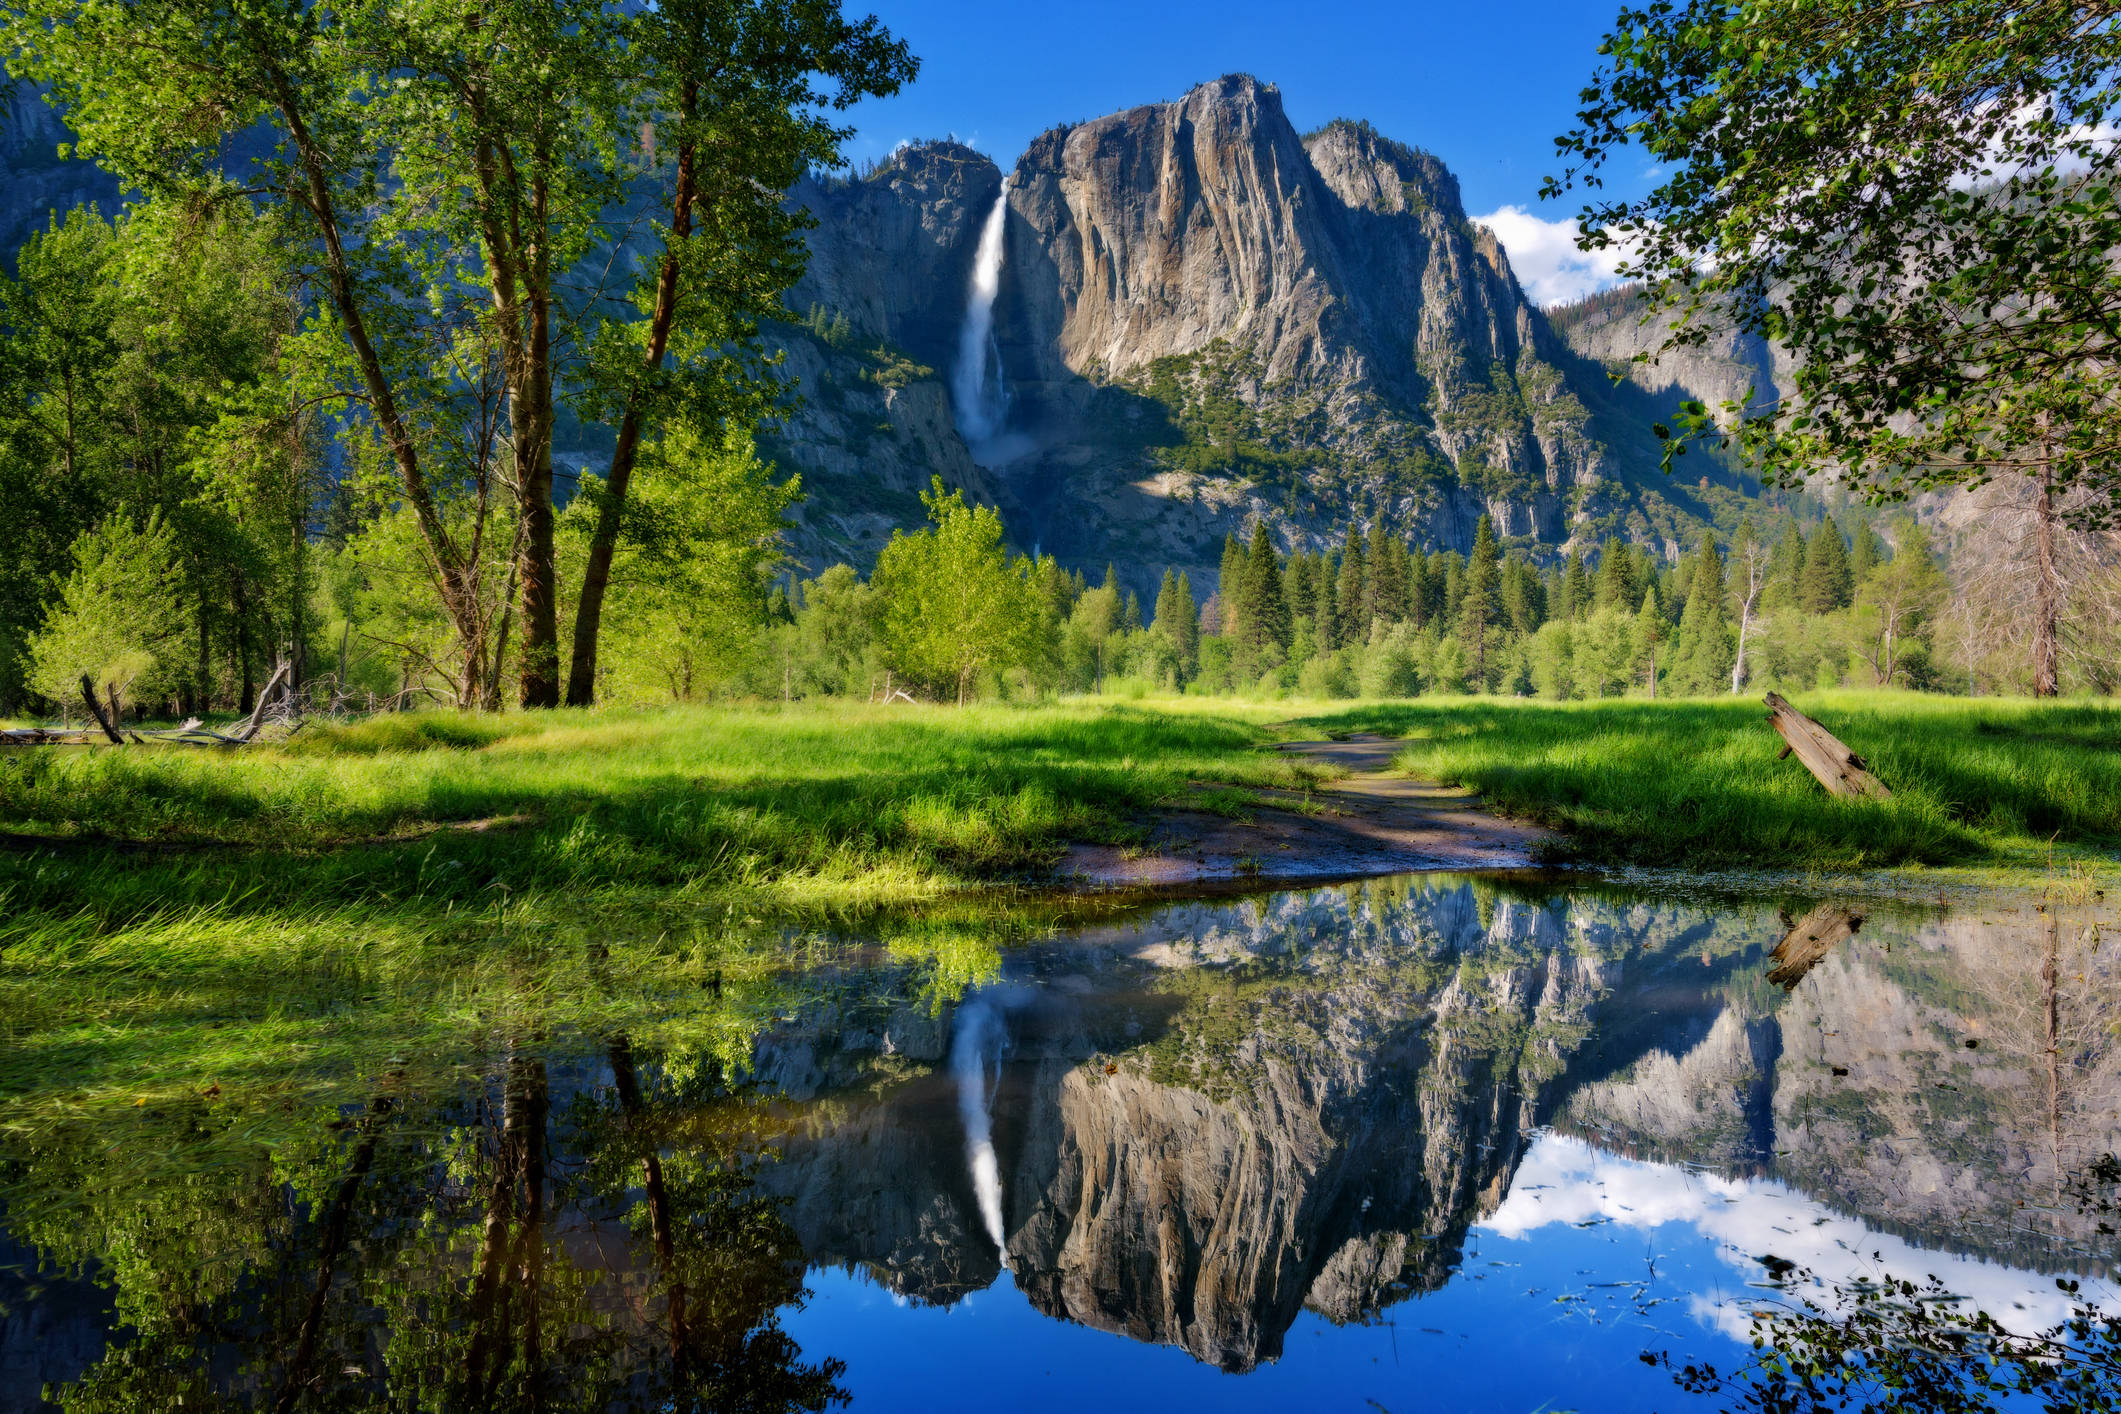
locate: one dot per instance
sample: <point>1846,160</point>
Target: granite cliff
<point>1207,321</point>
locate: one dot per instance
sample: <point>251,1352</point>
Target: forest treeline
<point>1785,607</point>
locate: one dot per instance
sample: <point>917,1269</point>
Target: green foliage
<point>142,363</point>
<point>441,186</point>
<point>955,602</point>
<point>701,538</point>
<point>1220,429</point>
<point>1699,783</point>
<point>1904,1347</point>
<point>118,616</point>
<point>1702,649</point>
<point>1917,201</point>
<point>1828,583</point>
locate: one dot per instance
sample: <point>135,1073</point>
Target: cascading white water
<point>982,402</point>
<point>979,1036</point>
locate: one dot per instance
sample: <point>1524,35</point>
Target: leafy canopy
<point>1918,199</point>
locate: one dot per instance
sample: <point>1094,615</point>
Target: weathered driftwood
<point>40,736</point>
<point>249,728</point>
<point>1839,769</point>
<point>95,709</point>
<point>1809,940</point>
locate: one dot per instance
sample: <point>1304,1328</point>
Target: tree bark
<point>2047,588</point>
<point>459,595</point>
<point>661,1221</point>
<point>596,575</point>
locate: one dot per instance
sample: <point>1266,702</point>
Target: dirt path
<point>1370,822</point>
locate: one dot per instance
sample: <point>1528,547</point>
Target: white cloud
<point>1544,255</point>
<point>1566,1181</point>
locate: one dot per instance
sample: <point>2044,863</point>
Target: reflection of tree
<point>2053,1010</point>
<point>1902,1347</point>
<point>604,1250</point>
<point>725,1257</point>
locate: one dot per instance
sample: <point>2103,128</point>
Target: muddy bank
<point>1369,822</point>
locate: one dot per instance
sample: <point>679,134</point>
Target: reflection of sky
<point>1589,1261</point>
<point>1568,1183</point>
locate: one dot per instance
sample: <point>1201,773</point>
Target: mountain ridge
<point>1208,322</point>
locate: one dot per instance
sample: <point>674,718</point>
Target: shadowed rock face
<point>1221,1115</point>
<point>36,183</point>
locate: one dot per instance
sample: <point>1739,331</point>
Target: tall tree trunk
<point>511,1263</point>
<point>205,687</point>
<point>456,578</point>
<point>596,575</point>
<point>338,1222</point>
<point>2047,587</point>
<point>662,1225</point>
<point>2051,1016</point>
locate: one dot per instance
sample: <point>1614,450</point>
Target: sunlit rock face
<point>1327,284</point>
<point>1216,1115</point>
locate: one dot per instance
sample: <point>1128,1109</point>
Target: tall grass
<point>847,801</point>
<point>1699,782</point>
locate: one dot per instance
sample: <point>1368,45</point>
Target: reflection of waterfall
<point>979,1037</point>
<point>981,400</point>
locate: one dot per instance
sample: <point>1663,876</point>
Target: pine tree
<point>1786,571</point>
<point>1864,554</point>
<point>1296,585</point>
<point>1617,587</point>
<point>1419,611</point>
<point>1651,629</point>
<point>1352,600</point>
<point>1166,602</point>
<point>1701,656</point>
<point>1131,620</point>
<point>1575,589</point>
<point>1265,613</point>
<point>1454,585</point>
<point>1523,598</point>
<point>1827,584</point>
<point>1185,627</point>
<point>1326,606</point>
<point>1230,588</point>
<point>1480,611</point>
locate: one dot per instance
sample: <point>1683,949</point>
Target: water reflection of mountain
<point>1224,1113</point>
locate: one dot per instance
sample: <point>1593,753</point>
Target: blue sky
<point>1484,86</point>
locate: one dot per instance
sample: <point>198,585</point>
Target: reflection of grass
<point>1698,782</point>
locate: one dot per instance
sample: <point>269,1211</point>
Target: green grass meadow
<point>271,921</point>
<point>1698,783</point>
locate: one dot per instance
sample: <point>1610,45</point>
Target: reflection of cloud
<point>1544,255</point>
<point>1568,1181</point>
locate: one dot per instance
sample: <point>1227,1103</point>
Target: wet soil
<point>1370,822</point>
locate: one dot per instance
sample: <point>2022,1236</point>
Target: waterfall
<point>979,1031</point>
<point>981,400</point>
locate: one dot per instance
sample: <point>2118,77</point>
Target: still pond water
<point>1435,1142</point>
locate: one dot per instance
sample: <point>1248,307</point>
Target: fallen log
<point>1837,768</point>
<point>249,728</point>
<point>95,709</point>
<point>1809,941</point>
